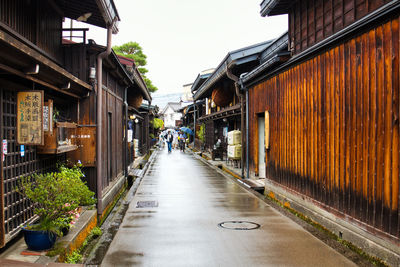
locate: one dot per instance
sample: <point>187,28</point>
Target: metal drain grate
<point>147,204</point>
<point>239,225</point>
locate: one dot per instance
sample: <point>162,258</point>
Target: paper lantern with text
<point>222,96</point>
<point>135,100</point>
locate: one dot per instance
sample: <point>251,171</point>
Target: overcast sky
<point>183,37</point>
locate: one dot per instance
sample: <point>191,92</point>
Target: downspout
<point>241,98</point>
<point>125,156</point>
<point>247,129</point>
<point>99,107</point>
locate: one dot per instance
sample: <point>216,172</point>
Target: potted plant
<point>56,195</point>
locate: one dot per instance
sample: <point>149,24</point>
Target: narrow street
<point>174,220</point>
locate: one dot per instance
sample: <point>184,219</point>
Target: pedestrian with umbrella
<point>182,141</point>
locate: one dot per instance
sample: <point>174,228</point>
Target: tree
<point>158,123</point>
<point>134,51</point>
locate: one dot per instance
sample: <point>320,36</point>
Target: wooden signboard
<point>30,118</point>
<point>85,139</point>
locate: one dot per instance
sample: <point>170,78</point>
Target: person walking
<point>170,138</point>
<point>161,141</point>
<point>182,141</point>
<point>175,141</point>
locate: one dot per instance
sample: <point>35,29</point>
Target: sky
<point>181,38</point>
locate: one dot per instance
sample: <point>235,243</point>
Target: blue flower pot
<point>38,240</point>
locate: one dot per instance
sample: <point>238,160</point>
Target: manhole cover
<point>146,204</point>
<point>239,225</point>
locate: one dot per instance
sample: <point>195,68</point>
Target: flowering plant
<point>57,196</point>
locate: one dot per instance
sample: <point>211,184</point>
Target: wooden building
<point>199,109</point>
<point>190,114</point>
<point>223,107</point>
<point>138,114</point>
<point>79,111</point>
<point>122,89</point>
<point>330,118</point>
<point>146,129</point>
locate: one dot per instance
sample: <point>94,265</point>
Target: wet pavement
<point>178,214</point>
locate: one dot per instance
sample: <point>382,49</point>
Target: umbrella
<point>186,130</point>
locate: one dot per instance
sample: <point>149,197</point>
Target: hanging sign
<point>130,135</point>
<point>48,116</point>
<point>4,148</point>
<point>30,118</point>
<point>22,148</point>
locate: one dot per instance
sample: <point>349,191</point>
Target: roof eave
<point>234,58</point>
<point>110,13</point>
<point>275,7</point>
<point>199,81</point>
<point>138,80</point>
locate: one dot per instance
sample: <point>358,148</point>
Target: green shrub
<point>96,231</point>
<point>74,257</point>
<point>157,123</point>
<point>57,196</point>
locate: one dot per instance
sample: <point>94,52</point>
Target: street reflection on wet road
<point>182,229</point>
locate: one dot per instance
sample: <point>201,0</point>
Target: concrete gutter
<point>113,221</point>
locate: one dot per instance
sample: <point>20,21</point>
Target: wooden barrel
<point>222,96</point>
<point>135,100</point>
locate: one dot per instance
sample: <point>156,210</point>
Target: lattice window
<point>18,210</point>
<point>209,134</point>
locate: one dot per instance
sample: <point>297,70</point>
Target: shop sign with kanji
<point>30,118</point>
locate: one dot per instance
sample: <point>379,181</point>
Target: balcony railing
<point>76,35</point>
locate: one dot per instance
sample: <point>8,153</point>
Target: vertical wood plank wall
<point>311,21</point>
<point>334,123</point>
<point>112,103</point>
<point>36,21</point>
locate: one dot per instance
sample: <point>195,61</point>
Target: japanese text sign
<point>30,118</point>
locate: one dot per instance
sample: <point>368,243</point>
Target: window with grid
<point>17,209</point>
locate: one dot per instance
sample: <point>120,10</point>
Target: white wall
<point>170,117</point>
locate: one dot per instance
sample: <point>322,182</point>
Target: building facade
<point>171,115</point>
<point>327,120</point>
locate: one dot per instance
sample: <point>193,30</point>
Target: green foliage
<point>78,188</point>
<point>149,84</point>
<point>57,196</point>
<point>143,70</point>
<point>134,51</point>
<point>96,231</point>
<point>74,257</point>
<point>151,135</point>
<point>201,132</point>
<point>157,123</point>
<point>77,255</point>
<point>56,114</point>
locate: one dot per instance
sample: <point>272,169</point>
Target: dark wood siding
<point>36,21</point>
<point>112,104</point>
<point>334,123</point>
<point>75,61</point>
<point>311,21</point>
